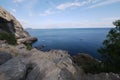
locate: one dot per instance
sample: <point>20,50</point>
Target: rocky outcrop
<point>4,57</point>
<point>28,40</point>
<point>9,24</point>
<point>51,65</point>
<point>101,76</point>
<point>14,69</point>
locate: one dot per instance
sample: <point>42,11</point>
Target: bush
<point>28,46</point>
<point>9,37</point>
<point>87,63</point>
<point>111,49</point>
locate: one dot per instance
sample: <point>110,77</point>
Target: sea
<point>73,40</point>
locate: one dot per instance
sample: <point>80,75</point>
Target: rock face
<point>52,65</point>
<point>101,76</point>
<point>4,57</point>
<point>14,69</point>
<point>28,40</point>
<point>8,23</point>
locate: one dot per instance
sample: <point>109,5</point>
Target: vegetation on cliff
<point>87,63</point>
<point>10,38</point>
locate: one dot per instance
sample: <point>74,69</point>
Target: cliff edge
<point>9,24</point>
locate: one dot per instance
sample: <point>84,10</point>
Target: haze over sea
<point>75,40</point>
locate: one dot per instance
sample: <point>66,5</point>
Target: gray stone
<point>20,46</point>
<point>14,69</point>
<point>27,40</point>
<point>4,57</point>
<point>52,65</point>
<point>101,76</point>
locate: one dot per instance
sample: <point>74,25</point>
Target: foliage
<point>110,52</point>
<point>9,37</point>
<point>89,65</point>
<point>111,49</point>
<point>28,46</point>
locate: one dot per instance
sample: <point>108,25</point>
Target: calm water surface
<point>82,40</point>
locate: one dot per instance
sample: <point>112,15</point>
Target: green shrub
<point>111,49</point>
<point>28,46</point>
<point>9,37</point>
<point>87,64</point>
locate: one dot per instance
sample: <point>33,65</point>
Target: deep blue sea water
<point>80,40</point>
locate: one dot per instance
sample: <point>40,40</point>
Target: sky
<point>47,14</point>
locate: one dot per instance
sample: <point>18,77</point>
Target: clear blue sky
<point>64,13</point>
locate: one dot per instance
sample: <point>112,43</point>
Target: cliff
<point>9,24</point>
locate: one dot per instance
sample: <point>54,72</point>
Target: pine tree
<point>111,46</point>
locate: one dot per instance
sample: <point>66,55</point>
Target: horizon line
<point>69,28</point>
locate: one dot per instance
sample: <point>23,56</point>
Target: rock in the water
<point>4,57</point>
<point>9,24</point>
<point>14,69</point>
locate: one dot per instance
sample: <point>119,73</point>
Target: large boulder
<point>52,65</point>
<point>27,40</point>
<point>14,69</point>
<point>9,24</point>
<point>4,57</point>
